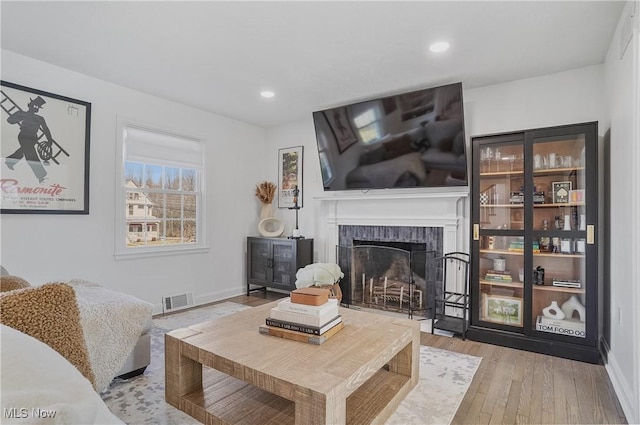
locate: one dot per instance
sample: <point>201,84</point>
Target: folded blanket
<point>318,274</point>
<point>94,328</point>
<point>112,323</point>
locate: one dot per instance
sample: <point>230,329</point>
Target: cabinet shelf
<point>557,170</point>
<point>570,204</point>
<point>558,289</point>
<point>565,204</point>
<point>518,173</point>
<point>502,252</point>
<point>555,255</point>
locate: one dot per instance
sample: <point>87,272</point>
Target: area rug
<point>445,377</point>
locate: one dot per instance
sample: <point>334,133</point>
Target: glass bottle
<point>545,241</point>
<point>566,246</point>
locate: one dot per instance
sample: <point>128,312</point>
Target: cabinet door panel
<point>284,263</point>
<point>559,225</point>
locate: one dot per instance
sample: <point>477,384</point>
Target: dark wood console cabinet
<point>273,262</point>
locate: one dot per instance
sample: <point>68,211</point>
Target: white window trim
<point>121,251</point>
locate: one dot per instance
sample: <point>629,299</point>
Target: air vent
<point>177,302</point>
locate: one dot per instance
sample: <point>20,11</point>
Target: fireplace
<point>389,267</point>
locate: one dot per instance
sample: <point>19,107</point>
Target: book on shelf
<point>310,296</point>
<point>286,305</point>
<point>300,336</point>
<point>561,326</point>
<point>314,330</point>
<point>306,319</point>
<point>499,272</point>
<point>498,278</point>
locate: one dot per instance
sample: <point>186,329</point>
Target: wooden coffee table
<point>358,376</point>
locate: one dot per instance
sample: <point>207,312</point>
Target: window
<point>368,126</point>
<point>161,187</point>
<point>325,164</point>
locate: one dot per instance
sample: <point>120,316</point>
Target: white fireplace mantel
<point>398,208</point>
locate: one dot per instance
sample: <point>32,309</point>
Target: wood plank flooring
<point>518,387</point>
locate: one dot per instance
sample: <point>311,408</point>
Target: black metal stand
<point>296,207</point>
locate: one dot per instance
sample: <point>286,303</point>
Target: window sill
<point>135,253</point>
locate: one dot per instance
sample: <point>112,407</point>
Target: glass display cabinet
<point>535,280</point>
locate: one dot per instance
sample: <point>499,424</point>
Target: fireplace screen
<point>387,277</point>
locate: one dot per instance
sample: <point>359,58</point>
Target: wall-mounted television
<point>413,139</point>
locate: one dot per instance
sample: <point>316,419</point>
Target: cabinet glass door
<point>501,184</point>
<point>260,252</point>
<point>284,263</point>
<point>560,235</point>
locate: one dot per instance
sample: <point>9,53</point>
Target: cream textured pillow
<point>49,313</point>
<point>9,283</point>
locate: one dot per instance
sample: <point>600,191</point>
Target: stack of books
<point>308,315</point>
<point>503,276</point>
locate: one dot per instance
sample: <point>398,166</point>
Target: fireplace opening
<point>387,275</point>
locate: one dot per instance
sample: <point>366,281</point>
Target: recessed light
<point>267,94</point>
<point>438,47</point>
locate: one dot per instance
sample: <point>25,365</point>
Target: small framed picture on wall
<point>290,176</point>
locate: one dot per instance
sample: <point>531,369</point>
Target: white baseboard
<point>623,392</point>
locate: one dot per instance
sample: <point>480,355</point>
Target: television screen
<point>413,139</point>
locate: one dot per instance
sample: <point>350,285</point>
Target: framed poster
<point>501,309</point>
<point>44,152</point>
<point>290,175</point>
<point>341,128</point>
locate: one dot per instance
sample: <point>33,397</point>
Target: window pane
<point>189,180</point>
<point>327,173</point>
<point>153,176</point>
<point>369,133</point>
<point>174,206</point>
<point>172,178</point>
<point>174,231</point>
<point>190,231</point>
<point>133,171</point>
<point>190,206</point>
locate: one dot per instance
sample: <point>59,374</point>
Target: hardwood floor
<point>516,387</point>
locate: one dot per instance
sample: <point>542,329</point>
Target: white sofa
<point>39,386</point>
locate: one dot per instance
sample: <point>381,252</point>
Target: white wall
<point>44,248</point>
<point>622,82</point>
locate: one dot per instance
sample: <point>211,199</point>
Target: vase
<point>572,305</point>
<point>266,211</point>
<point>553,311</point>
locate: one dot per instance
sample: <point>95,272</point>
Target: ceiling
<point>218,56</point>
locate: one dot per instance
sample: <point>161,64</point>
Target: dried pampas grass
<point>265,192</point>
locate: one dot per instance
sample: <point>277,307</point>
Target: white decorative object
<point>572,305</point>
<point>266,211</point>
<point>567,222</point>
<point>583,222</point>
<point>271,227</point>
<point>499,264</point>
<point>553,311</point>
